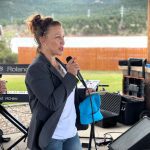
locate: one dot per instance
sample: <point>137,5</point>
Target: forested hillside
<point>82,17</point>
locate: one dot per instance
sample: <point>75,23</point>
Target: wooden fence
<point>89,58</point>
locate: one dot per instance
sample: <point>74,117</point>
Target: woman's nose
<point>62,41</point>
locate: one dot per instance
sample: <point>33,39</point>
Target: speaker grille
<point>111,102</point>
<point>133,138</point>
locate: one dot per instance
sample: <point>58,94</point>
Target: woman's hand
<point>89,91</point>
<point>73,67</point>
<point>3,89</point>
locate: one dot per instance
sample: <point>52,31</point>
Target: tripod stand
<point>92,131</point>
<point>104,141</point>
<point>92,136</point>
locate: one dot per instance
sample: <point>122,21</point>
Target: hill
<point>80,16</point>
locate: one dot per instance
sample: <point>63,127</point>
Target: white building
<point>91,42</point>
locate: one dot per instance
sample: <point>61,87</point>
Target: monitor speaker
<point>135,138</point>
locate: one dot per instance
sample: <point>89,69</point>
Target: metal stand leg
<point>92,135</point>
<point>16,123</point>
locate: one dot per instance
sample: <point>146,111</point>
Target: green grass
<point>15,82</point>
<point>113,79</point>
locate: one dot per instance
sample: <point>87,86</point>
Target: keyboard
<point>14,96</point>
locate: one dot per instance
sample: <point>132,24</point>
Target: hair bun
<point>37,20</point>
<point>35,24</point>
<point>38,25</point>
<point>47,21</point>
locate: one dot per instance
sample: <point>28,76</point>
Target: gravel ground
<point>21,112</point>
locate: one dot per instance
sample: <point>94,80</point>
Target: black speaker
<point>110,109</point>
<point>135,138</point>
<point>131,109</point>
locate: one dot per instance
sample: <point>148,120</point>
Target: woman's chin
<point>59,54</point>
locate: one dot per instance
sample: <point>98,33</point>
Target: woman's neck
<point>51,59</point>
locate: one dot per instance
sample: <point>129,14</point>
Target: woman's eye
<point>59,37</point>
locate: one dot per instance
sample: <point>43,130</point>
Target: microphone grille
<point>68,58</point>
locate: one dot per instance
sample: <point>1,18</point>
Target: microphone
<point>78,74</point>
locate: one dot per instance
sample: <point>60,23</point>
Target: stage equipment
<point>110,109</point>
<point>13,69</point>
<point>135,138</point>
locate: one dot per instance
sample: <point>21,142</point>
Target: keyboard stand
<point>13,69</point>
<point>16,123</point>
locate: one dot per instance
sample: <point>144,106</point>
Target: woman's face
<point>54,40</point>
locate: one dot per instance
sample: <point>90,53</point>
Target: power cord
<point>106,140</point>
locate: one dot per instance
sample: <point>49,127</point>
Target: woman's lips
<point>61,48</point>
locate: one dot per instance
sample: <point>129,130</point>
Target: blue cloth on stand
<point>86,109</point>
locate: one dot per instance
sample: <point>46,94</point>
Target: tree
<point>6,56</point>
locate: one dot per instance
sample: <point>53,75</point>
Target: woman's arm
<point>38,79</point>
